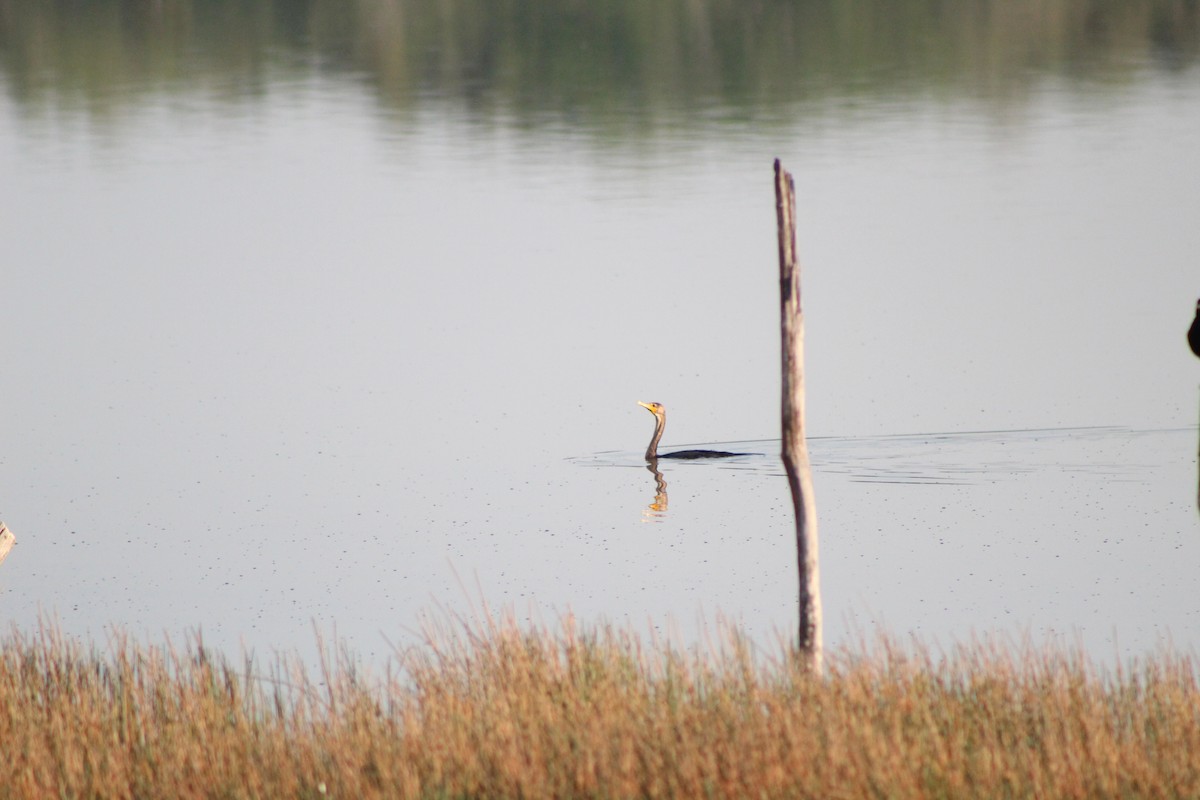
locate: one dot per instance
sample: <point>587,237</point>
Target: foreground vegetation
<point>490,710</point>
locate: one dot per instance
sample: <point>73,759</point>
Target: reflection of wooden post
<point>7,540</point>
<point>795,448</point>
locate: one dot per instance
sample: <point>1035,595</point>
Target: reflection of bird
<point>1194,332</point>
<point>660,422</point>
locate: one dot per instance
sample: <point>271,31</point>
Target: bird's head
<point>654,408</point>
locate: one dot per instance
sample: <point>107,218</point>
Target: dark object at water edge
<point>1194,332</point>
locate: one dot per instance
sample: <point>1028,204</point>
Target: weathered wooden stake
<point>795,448</point>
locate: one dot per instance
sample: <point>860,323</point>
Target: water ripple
<point>951,458</point>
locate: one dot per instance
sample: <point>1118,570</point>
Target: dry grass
<point>492,710</point>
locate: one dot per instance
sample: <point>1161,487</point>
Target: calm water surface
<point>319,320</point>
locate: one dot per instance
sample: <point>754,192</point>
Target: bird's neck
<point>652,451</point>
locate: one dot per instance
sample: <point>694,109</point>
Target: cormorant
<point>660,422</point>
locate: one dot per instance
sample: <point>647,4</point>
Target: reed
<point>492,709</point>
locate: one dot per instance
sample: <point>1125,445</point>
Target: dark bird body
<point>1194,332</point>
<point>660,423</point>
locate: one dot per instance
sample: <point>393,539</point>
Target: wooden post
<point>1193,337</point>
<point>795,447</point>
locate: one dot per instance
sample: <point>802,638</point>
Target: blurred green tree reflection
<point>591,62</point>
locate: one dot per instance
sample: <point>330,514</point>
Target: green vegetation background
<point>612,67</point>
